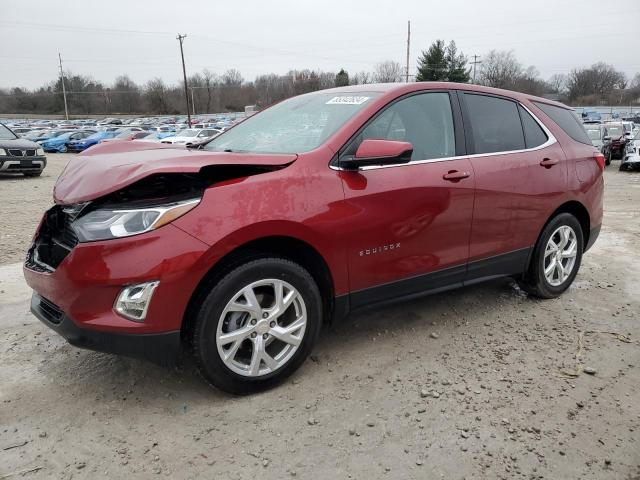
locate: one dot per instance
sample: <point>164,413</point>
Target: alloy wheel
<point>261,327</point>
<point>560,255</point>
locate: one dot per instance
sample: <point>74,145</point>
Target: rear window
<point>495,124</point>
<point>534,136</point>
<point>567,120</point>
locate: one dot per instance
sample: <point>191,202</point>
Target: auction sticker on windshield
<point>347,100</point>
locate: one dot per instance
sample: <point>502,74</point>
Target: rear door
<point>410,225</point>
<point>520,173</point>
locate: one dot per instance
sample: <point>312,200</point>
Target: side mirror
<point>378,152</point>
<point>606,138</point>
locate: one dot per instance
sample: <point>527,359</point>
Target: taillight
<point>599,158</point>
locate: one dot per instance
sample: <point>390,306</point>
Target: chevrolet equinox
<point>320,205</point>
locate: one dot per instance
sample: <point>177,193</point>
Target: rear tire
<point>248,337</point>
<point>556,257</point>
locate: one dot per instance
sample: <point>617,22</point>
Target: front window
<point>296,125</point>
<point>6,134</point>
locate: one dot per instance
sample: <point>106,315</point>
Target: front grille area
<point>17,152</point>
<point>50,310</point>
<point>55,239</point>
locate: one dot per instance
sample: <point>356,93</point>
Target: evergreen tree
<point>442,63</point>
<point>342,78</point>
<point>432,65</point>
<point>456,65</point>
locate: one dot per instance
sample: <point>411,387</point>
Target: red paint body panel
<point>431,223</point>
<point>85,285</point>
<point>423,219</point>
<point>515,196</point>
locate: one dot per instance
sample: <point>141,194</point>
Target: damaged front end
<point>145,205</point>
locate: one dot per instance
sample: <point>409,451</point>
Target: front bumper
<point>85,284</point>
<point>22,164</point>
<point>161,348</point>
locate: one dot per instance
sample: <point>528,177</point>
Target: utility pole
<point>406,76</point>
<point>193,103</point>
<point>64,90</point>
<point>474,63</point>
<point>180,38</point>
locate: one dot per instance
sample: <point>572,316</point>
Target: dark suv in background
<point>18,155</point>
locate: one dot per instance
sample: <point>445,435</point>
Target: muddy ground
<point>466,384</point>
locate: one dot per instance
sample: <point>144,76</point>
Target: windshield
<point>96,136</point>
<point>6,134</point>
<point>614,131</point>
<point>594,134</point>
<point>34,134</point>
<point>189,133</point>
<point>296,125</point>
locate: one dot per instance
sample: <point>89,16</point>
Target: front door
<point>411,223</point>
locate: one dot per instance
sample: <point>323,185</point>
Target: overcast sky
<point>107,38</point>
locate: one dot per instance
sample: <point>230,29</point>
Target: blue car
<point>81,145</point>
<point>61,142</point>
<point>46,135</point>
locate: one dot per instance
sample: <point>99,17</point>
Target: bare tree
<point>387,72</point>
<point>210,81</point>
<point>232,78</point>
<point>597,80</point>
<point>156,94</point>
<point>361,78</point>
<point>500,69</point>
<point>558,83</point>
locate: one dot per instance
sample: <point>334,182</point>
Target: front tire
<point>556,257</point>
<point>256,325</point>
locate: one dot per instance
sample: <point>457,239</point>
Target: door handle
<point>455,175</point>
<point>548,162</point>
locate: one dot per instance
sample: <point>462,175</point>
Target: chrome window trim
<point>550,141</point>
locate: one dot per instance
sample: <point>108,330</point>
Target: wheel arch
<point>576,209</point>
<point>283,246</point>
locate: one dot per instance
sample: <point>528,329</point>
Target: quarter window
<point>424,120</point>
<point>534,136</point>
<point>495,124</point>
<point>567,120</point>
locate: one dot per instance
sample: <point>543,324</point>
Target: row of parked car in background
<point>78,135</point>
<point>617,140</point>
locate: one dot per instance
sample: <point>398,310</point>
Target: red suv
<point>316,207</point>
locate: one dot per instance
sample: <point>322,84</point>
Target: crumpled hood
<point>107,168</point>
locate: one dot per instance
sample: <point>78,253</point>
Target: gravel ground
<point>473,383</point>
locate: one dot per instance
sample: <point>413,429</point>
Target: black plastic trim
<point>594,233</point>
<point>511,263</point>
<point>161,348</point>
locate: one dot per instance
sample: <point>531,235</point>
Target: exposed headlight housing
<point>40,152</point>
<point>3,152</point>
<point>109,223</point>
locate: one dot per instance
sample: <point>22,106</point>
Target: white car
<point>191,135</point>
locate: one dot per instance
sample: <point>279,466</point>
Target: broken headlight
<point>107,223</point>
